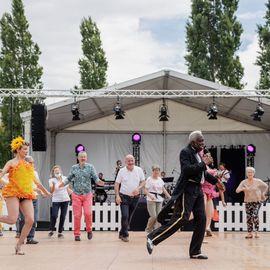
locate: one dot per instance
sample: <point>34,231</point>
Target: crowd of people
<point>192,196</point>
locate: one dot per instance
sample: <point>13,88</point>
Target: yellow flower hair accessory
<point>17,143</point>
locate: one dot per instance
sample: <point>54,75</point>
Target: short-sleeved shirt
<point>155,186</point>
<point>59,194</point>
<point>225,175</point>
<point>81,178</point>
<point>129,180</point>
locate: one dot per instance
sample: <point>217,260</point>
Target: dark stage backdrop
<point>213,151</point>
<point>234,158</point>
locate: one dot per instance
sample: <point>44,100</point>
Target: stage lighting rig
<point>213,111</point>
<point>119,113</point>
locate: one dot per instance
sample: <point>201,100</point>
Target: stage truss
<point>113,93</point>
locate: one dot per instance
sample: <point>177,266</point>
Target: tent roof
<point>236,108</point>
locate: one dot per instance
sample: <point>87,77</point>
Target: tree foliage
<point>93,65</point>
<point>263,59</point>
<point>213,38</point>
<point>19,68</point>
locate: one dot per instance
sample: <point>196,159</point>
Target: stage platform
<point>226,251</point>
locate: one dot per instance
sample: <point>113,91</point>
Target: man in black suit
<point>187,197</point>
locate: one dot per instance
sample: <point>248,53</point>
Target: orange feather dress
<point>21,181</point>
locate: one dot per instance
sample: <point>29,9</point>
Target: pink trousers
<point>80,202</point>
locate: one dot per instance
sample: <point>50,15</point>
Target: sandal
<point>18,250</point>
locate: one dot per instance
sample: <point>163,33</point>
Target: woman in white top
<point>254,190</point>
<point>154,189</point>
<point>60,200</point>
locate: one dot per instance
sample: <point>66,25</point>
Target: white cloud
<point>248,58</point>
<point>133,53</point>
<point>130,51</point>
<point>251,15</point>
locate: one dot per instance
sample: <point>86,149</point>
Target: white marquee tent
<point>107,140</point>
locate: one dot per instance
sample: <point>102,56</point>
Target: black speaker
<point>38,127</point>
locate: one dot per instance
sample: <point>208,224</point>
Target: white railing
<point>107,216</point>
<point>233,217</point>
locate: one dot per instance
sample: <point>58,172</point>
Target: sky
<point>139,37</point>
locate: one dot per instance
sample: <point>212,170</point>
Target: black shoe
<point>60,236</point>
<point>31,242</point>
<point>125,239</point>
<point>77,238</point>
<point>50,234</point>
<point>89,235</point>
<point>149,245</point>
<point>199,256</point>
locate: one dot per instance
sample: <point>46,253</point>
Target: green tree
<point>93,65</point>
<point>213,38</point>
<point>19,67</point>
<point>263,59</point>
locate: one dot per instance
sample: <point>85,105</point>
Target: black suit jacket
<point>191,169</point>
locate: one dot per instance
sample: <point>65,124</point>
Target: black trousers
<point>127,206</point>
<point>54,214</point>
<point>191,200</point>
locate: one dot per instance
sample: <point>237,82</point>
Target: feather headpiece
<point>17,143</point>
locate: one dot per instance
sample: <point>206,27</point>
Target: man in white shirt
<point>132,180</point>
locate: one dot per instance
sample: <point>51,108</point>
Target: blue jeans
<point>20,222</point>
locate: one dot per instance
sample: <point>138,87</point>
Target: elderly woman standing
<point>154,189</point>
<point>254,190</point>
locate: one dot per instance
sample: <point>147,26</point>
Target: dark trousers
<point>20,222</point>
<point>63,206</point>
<point>252,211</point>
<point>191,200</point>
<point>127,207</point>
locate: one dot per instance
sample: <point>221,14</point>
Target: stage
<point>230,251</point>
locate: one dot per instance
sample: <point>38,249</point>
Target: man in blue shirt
<point>80,177</point>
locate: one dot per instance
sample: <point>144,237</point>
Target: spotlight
<point>136,138</point>
<point>79,148</point>
<point>251,150</point>
<point>163,112</point>
<point>212,112</point>
<point>118,112</point>
<point>75,111</point>
<point>257,115</point>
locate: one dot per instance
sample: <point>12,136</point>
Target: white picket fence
<point>107,216</point>
<point>233,217</point>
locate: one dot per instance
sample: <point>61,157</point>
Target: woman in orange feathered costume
<point>19,193</point>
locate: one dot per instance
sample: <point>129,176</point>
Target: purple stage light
<point>251,149</point>
<point>136,137</point>
<point>79,148</point>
